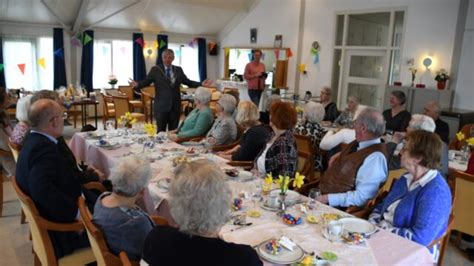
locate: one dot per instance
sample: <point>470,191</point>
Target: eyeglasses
<point>65,115</point>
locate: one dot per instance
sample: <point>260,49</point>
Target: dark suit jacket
<point>44,175</point>
<point>442,129</point>
<point>167,93</point>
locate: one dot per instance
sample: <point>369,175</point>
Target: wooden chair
<point>147,94</point>
<point>124,259</point>
<point>443,240</point>
<point>229,146</point>
<point>42,247</point>
<point>392,175</point>
<point>3,153</point>
<point>305,165</point>
<point>108,108</point>
<point>122,106</point>
<point>464,191</point>
<point>97,240</point>
<point>456,144</point>
<point>246,165</point>
<point>128,91</point>
<point>215,96</point>
<point>15,149</point>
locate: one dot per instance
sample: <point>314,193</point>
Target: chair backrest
<point>455,143</point>
<point>42,245</point>
<point>305,164</point>
<point>121,106</point>
<point>126,90</point>
<point>464,191</point>
<point>443,240</point>
<point>15,149</point>
<point>96,238</point>
<point>303,143</point>
<point>150,90</point>
<point>392,175</point>
<point>105,100</point>
<point>146,98</point>
<point>225,147</point>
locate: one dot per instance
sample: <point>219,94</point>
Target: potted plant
<point>112,81</point>
<point>441,77</point>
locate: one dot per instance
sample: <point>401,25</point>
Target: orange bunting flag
<point>212,45</point>
<point>289,53</point>
<point>42,62</point>
<point>22,68</point>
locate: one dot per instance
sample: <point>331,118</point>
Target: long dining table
<point>382,248</point>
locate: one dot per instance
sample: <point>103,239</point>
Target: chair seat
<point>110,105</point>
<point>136,104</point>
<point>138,116</point>
<point>81,256</point>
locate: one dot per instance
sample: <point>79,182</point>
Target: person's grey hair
<point>354,98</point>
<point>436,107</point>
<point>247,114</point>
<point>200,198</point>
<point>168,51</point>
<point>130,176</point>
<point>41,112</point>
<point>328,90</point>
<point>422,122</point>
<point>203,95</point>
<point>373,120</point>
<point>274,98</point>
<point>22,108</point>
<point>227,102</point>
<point>313,112</point>
<point>45,94</point>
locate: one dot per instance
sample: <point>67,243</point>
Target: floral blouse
<point>19,133</point>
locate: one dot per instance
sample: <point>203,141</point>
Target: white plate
<point>245,175</point>
<point>106,145</point>
<point>356,225</point>
<point>284,257</point>
<point>291,195</point>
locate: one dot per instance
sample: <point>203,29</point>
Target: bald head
<point>45,115</point>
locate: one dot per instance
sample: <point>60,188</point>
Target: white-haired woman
<point>395,145</point>
<point>199,200</point>
<point>313,114</point>
<point>347,117</point>
<point>199,120</point>
<point>265,116</point>
<point>22,127</point>
<point>224,129</point>
<point>124,225</point>
<point>331,112</point>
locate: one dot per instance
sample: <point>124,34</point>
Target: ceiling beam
<point>113,14</point>
<point>59,19</point>
<point>80,15</point>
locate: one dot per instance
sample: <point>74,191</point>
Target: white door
<point>364,76</point>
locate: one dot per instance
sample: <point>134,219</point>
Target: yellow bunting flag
<point>42,62</point>
<point>227,50</point>
<point>302,68</point>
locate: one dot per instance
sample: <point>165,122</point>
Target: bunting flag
<point>86,39</point>
<point>302,68</point>
<point>156,45</point>
<point>104,50</point>
<point>42,62</point>
<point>289,53</point>
<point>59,53</point>
<point>191,44</point>
<point>277,54</point>
<point>177,53</point>
<point>140,42</point>
<point>263,56</point>
<point>75,41</point>
<point>1,67</point>
<point>22,68</point>
<point>212,45</point>
<point>227,51</point>
<point>238,53</point>
<point>162,43</point>
<point>250,56</point>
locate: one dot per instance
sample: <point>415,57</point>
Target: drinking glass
<point>334,230</point>
<point>110,127</point>
<point>256,194</point>
<point>314,193</point>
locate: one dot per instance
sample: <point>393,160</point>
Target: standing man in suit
<point>167,79</point>
<point>44,174</point>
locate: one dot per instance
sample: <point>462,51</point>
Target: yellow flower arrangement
<point>127,120</point>
<point>150,129</point>
<point>470,141</point>
<point>460,136</point>
<point>299,109</point>
<point>284,181</point>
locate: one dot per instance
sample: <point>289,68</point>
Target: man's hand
<point>132,83</point>
<point>323,199</point>
<point>334,158</point>
<point>207,83</point>
<point>398,137</point>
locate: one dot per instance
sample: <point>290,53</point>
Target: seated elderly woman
<point>347,117</point>
<point>255,134</point>
<point>280,156</point>
<point>417,122</point>
<point>265,116</point>
<point>199,121</point>
<point>330,107</point>
<point>419,203</point>
<point>224,129</point>
<point>199,200</point>
<point>313,114</point>
<point>124,225</point>
<point>397,118</point>
<point>22,127</point>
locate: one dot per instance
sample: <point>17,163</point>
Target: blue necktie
<point>168,72</point>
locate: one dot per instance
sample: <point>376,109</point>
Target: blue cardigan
<point>422,214</point>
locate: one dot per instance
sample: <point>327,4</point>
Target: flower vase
<point>282,203</point>
<point>441,85</point>
<point>466,152</point>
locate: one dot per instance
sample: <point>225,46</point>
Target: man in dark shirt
<point>433,110</point>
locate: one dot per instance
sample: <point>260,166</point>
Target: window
<point>27,51</point>
<point>187,58</point>
<point>112,57</point>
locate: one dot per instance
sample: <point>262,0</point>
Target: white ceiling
<point>200,17</point>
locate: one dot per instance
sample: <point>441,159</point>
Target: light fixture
<point>149,52</point>
<point>427,62</point>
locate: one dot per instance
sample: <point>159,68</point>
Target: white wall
<point>465,79</point>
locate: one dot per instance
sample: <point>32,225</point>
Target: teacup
<point>451,155</point>
<point>335,229</point>
<point>272,201</point>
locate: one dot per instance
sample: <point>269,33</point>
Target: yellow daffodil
<point>150,129</point>
<point>280,180</point>
<point>269,179</point>
<point>299,180</point>
<point>470,141</point>
<point>299,109</point>
<point>119,120</point>
<point>460,136</point>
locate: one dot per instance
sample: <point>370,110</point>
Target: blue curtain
<point>58,59</point>
<point>202,58</point>
<point>2,70</point>
<point>160,39</point>
<point>87,63</point>
<point>139,68</point>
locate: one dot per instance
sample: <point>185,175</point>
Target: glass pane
<point>367,94</point>
<point>336,69</point>
<point>394,67</point>
<point>340,29</point>
<point>102,64</point>
<point>368,29</point>
<point>398,30</point>
<point>122,60</point>
<point>366,66</point>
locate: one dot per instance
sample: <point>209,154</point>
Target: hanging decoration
<point>289,53</point>
<point>315,52</point>
<point>250,56</point>
<point>59,53</point>
<point>75,41</point>
<point>162,44</point>
<point>277,54</point>
<point>212,45</point>
<point>156,44</point>
<point>87,39</point>
<point>42,62</point>
<point>1,67</point>
<point>177,53</point>
<point>140,42</point>
<point>191,43</point>
<point>227,51</point>
<point>302,68</point>
<point>104,50</point>
<point>22,68</point>
<point>238,53</point>
<point>263,57</point>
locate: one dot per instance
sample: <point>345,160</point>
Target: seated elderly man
<point>356,173</point>
<point>199,121</point>
<point>116,213</point>
<point>224,129</point>
<point>199,199</point>
<point>417,122</point>
<point>433,110</point>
